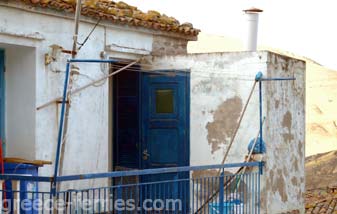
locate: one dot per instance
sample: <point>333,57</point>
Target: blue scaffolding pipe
<point>116,174</point>
<point>259,78</point>
<point>278,79</point>
<point>59,137</point>
<point>261,121</point>
<point>15,177</point>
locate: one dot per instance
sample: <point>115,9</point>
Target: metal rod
<point>153,171</point>
<point>87,85</point>
<point>15,177</point>
<point>278,79</point>
<point>63,106</point>
<point>260,115</point>
<point>64,125</point>
<point>239,123</point>
<point>103,78</point>
<point>128,173</point>
<point>250,153</point>
<point>93,60</point>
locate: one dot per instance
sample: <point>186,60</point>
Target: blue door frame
<point>2,97</point>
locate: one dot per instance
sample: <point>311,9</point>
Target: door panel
<point>126,116</point>
<point>163,151</point>
<point>165,133</point>
<point>165,120</point>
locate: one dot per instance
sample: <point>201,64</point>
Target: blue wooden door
<point>165,131</point>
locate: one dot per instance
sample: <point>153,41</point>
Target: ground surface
<point>321,170</point>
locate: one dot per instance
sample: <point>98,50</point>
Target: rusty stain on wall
<point>225,118</point>
<point>286,123</point>
<point>277,104</point>
<point>300,149</point>
<point>294,181</point>
<point>287,120</point>
<point>279,186</point>
<point>295,165</point>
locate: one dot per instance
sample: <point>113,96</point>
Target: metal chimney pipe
<point>252,17</point>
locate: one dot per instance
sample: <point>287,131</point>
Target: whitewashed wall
<point>219,90</point>
<point>220,85</point>
<point>88,143</point>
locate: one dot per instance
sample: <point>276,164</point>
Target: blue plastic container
<point>257,149</point>
<point>27,188</point>
<point>228,208</point>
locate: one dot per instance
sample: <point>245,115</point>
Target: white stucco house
<point>111,124</point>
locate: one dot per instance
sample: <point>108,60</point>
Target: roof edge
<point>18,4</point>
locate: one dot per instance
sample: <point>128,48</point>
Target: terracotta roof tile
<point>120,13</point>
<point>321,201</point>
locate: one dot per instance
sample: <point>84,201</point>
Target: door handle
<point>146,155</point>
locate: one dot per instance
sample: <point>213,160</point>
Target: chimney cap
<point>253,10</point>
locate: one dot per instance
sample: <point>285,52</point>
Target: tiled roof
<point>120,13</point>
<point>321,201</point>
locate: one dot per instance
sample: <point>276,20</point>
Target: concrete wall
<point>220,84</point>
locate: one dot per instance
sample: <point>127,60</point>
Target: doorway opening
<point>150,118</point>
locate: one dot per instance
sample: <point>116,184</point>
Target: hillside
<point>321,170</point>
<point>321,183</point>
<point>321,92</point>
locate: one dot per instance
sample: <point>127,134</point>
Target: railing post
<point>221,193</point>
<point>1,193</point>
<point>261,164</point>
<point>16,196</point>
<point>119,196</point>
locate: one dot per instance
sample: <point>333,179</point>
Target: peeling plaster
<point>286,123</point>
<point>280,186</point>
<point>225,119</point>
<point>277,104</point>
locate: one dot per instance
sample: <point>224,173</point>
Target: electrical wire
<point>92,79</point>
<point>195,72</point>
<point>87,38</point>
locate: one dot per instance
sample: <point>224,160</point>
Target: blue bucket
<point>214,208</point>
<point>27,188</point>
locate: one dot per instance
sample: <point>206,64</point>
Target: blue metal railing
<point>198,189</point>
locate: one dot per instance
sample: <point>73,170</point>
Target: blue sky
<point>307,28</point>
